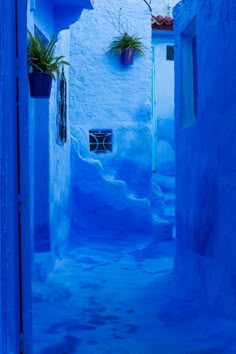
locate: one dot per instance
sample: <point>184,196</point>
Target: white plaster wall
<point>59,166</point>
<point>105,94</point>
<point>163,7</point>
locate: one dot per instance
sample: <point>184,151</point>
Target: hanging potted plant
<point>126,46</point>
<point>43,65</point>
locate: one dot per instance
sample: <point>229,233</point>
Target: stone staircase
<point>167,185</point>
<point>104,205</point>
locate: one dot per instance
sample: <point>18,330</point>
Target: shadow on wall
<point>206,214</point>
<point>130,171</point>
<point>166,147</point>
<point>199,230</point>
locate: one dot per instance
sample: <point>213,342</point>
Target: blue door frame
<point>25,184</point>
<point>15,238</point>
<point>154,114</point>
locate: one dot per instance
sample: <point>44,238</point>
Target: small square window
<point>100,141</point>
<point>170,52</point>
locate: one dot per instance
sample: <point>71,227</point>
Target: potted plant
<point>126,46</point>
<point>43,65</point>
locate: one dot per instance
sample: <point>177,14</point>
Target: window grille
<point>100,141</point>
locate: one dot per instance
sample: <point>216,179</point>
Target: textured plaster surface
<point>206,197</point>
<point>164,7</point>
<point>51,161</point>
<point>60,172</point>
<point>105,94</point>
<point>114,191</point>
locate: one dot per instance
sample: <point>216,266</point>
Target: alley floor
<point>120,300</point>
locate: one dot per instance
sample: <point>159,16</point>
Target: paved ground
<point>120,300</point>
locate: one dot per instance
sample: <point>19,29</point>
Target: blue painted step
<point>169,199</point>
<point>166,183</point>
<point>162,229</point>
<point>170,213</point>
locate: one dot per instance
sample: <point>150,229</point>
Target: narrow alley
<point>117,177</point>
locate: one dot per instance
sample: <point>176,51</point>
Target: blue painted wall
<point>59,171</point>
<point>9,305</point>
<point>15,199</point>
<point>163,7</point>
<point>206,157</point>
<point>106,95</point>
<point>51,160</point>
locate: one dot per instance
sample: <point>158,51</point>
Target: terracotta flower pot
<point>40,85</point>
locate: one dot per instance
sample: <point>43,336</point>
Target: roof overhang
<point>163,23</point>
<point>64,12</point>
<point>83,4</point>
<point>69,11</point>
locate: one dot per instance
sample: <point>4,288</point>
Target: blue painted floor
<point>121,300</point>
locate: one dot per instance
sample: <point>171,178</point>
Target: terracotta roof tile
<point>162,22</point>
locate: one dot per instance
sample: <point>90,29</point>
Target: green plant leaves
<point>41,56</point>
<point>125,41</point>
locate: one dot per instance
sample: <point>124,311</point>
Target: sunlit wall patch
<point>100,141</point>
